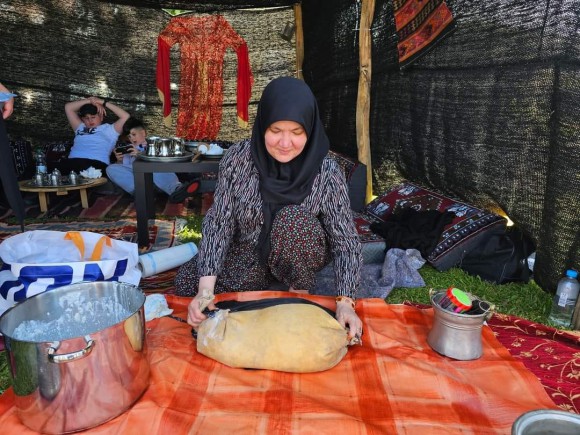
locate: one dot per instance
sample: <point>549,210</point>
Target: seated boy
<point>121,173</point>
<point>94,141</point>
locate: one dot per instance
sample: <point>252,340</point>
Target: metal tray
<point>185,157</point>
<point>64,183</point>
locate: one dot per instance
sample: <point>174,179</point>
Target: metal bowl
<point>547,421</point>
<point>193,145</point>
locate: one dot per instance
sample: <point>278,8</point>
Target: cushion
<point>264,334</point>
<point>355,174</point>
<point>470,226</point>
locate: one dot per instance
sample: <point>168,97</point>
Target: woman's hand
<point>346,316</point>
<point>201,301</point>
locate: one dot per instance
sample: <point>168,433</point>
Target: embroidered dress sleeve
<point>245,82</point>
<point>338,222</point>
<point>219,222</point>
<point>167,38</point>
<point>245,79</point>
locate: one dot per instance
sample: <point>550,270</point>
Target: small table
<point>145,192</point>
<point>60,190</point>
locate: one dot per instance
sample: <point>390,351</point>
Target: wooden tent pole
<point>364,91</point>
<point>299,33</point>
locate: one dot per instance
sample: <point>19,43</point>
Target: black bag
<point>501,258</point>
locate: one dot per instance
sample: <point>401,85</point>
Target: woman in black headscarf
<point>281,210</point>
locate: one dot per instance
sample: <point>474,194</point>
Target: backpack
<point>501,258</point>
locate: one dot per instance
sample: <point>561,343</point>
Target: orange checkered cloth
<point>393,383</point>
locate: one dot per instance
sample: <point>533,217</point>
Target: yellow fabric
<point>77,238</point>
<point>296,338</point>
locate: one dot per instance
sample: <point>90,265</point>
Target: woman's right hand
<point>201,301</point>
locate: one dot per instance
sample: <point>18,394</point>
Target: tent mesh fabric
<point>489,115</point>
<point>60,50</point>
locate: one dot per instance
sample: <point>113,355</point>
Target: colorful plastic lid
<point>459,298</point>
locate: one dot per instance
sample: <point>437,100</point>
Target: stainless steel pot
<point>455,335</point>
<point>88,364</point>
<point>547,421</point>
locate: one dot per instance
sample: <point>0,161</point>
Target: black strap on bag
<point>501,258</point>
<point>258,304</point>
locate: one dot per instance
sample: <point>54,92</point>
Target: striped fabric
<point>393,383</point>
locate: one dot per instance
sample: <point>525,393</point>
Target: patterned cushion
<point>355,174</point>
<point>470,226</point>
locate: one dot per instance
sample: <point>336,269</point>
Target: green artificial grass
<point>519,299</point>
<point>191,231</point>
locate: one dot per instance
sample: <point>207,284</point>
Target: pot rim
<point>66,288</point>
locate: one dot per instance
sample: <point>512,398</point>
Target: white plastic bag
<point>41,260</point>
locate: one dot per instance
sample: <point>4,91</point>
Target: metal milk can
<point>55,177</point>
<point>165,147</point>
<point>177,145</point>
<point>152,143</point>
<point>457,335</point>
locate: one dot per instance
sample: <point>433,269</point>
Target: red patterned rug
<point>102,206</point>
<point>552,355</point>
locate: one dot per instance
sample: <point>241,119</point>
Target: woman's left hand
<point>346,316</point>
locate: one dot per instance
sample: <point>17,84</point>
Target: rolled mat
<point>162,260</point>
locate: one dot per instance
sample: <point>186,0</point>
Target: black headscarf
<point>281,184</point>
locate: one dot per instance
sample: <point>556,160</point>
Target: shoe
<point>184,191</point>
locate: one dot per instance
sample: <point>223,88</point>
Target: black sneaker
<point>184,191</point>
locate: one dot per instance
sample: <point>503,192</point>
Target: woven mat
<point>110,206</point>
<point>161,232</point>
<point>393,383</point>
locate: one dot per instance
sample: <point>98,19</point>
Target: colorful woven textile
<point>468,228</point>
<point>420,25</point>
<point>161,233</point>
<point>393,383</point>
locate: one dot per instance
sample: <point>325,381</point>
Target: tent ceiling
<point>203,5</point>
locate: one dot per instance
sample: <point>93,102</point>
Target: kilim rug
<point>102,206</point>
<point>161,232</point>
<point>420,26</point>
<point>552,355</point>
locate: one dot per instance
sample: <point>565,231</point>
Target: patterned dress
<point>319,229</point>
<point>203,42</point>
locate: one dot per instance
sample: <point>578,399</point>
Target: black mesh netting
<point>490,115</point>
<point>59,50</point>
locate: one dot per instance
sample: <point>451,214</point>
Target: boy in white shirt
<point>94,141</point>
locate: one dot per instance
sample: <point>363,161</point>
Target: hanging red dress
<point>203,42</point>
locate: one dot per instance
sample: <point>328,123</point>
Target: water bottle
<point>40,161</point>
<point>565,299</point>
